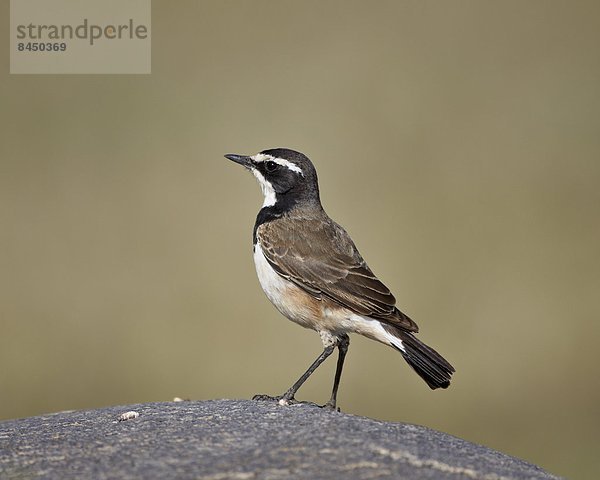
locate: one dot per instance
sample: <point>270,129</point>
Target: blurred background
<point>457,142</point>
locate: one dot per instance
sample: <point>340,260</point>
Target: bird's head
<point>284,175</point>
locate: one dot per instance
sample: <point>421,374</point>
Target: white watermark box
<point>80,36</point>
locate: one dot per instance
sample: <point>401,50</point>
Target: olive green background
<point>458,142</point>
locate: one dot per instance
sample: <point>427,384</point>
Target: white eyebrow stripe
<point>262,157</point>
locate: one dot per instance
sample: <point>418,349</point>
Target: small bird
<point>310,269</point>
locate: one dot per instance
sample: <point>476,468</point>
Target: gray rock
<point>238,439</point>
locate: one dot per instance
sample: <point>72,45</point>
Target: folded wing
<point>329,267</point>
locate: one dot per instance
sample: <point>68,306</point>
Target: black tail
<point>429,364</point>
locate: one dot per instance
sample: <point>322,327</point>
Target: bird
<point>312,272</point>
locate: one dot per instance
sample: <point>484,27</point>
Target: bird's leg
<point>343,343</point>
<point>288,397</point>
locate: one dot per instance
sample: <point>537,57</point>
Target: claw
<point>280,399</point>
<point>331,407</point>
<point>266,398</point>
<point>284,401</point>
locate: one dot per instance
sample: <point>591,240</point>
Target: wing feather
<point>328,267</point>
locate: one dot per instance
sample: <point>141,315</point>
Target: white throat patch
<point>266,187</point>
<point>261,157</point>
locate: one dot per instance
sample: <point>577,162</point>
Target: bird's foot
<point>283,400</point>
<point>330,407</point>
<point>267,398</point>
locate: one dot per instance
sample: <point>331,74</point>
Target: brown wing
<point>330,266</point>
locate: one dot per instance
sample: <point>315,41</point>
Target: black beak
<point>241,159</point>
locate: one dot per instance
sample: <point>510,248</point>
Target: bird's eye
<point>270,166</point>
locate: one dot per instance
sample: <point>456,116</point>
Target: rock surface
<point>231,439</point>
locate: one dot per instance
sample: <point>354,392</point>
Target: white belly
<point>283,294</point>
